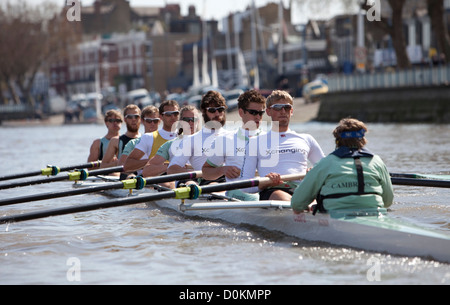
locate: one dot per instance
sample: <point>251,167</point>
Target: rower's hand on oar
<point>275,179</point>
<point>231,172</point>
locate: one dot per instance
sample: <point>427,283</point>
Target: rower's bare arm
<point>122,160</point>
<point>94,151</point>
<point>175,169</point>
<point>110,157</point>
<point>155,166</point>
<point>210,172</point>
<point>134,162</point>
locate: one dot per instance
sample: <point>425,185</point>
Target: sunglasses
<point>169,113</point>
<point>254,112</point>
<point>278,107</point>
<point>114,121</point>
<point>189,120</point>
<point>214,109</point>
<point>149,120</point>
<point>132,116</point>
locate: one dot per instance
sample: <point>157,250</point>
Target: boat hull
<point>371,233</point>
<point>376,232</point>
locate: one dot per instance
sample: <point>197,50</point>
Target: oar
<point>71,176</point>
<point>124,184</point>
<point>421,176</point>
<point>51,170</point>
<point>421,182</point>
<point>180,193</point>
<point>235,205</point>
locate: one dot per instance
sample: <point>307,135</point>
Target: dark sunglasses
<point>132,116</point>
<point>278,107</point>
<point>254,112</point>
<point>114,121</point>
<point>214,109</point>
<point>169,113</point>
<point>189,120</point>
<point>149,120</point>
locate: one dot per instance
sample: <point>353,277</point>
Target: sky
<point>214,9</point>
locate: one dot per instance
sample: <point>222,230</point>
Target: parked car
<point>179,97</point>
<point>232,98</point>
<point>140,97</point>
<point>110,106</point>
<point>195,100</point>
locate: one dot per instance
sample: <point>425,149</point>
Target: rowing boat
<point>367,230</point>
<point>370,230</point>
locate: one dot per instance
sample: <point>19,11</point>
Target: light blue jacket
<point>337,174</point>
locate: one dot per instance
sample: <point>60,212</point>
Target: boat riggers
<point>192,191</point>
<point>182,193</point>
<point>51,171</point>
<point>137,183</point>
<point>134,184</point>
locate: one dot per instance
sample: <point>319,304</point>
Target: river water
<point>145,245</point>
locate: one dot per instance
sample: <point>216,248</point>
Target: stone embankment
<point>392,105</point>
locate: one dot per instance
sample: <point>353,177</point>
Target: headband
<point>353,134</point>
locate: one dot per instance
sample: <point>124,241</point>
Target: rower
<point>282,151</point>
<point>151,120</point>
<point>188,125</point>
<point>148,145</point>
<point>349,178</point>
<point>232,151</point>
<point>113,122</point>
<point>193,150</point>
<point>132,115</point>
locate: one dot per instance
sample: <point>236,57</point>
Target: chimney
<point>192,12</point>
<point>97,5</point>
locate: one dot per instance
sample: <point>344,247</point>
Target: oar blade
<point>421,182</point>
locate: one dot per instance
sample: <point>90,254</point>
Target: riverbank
<point>302,113</point>
<point>52,120</point>
<point>391,105</point>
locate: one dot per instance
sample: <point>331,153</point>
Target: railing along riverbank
<point>414,77</point>
<point>418,95</point>
<point>15,112</point>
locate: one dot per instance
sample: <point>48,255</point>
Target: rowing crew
<point>350,177</point>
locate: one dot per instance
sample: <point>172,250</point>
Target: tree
<point>436,13</point>
<point>29,37</point>
<point>392,26</point>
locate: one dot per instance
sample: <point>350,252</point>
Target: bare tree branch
<point>29,37</point>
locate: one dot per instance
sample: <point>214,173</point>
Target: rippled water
<point>142,244</point>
